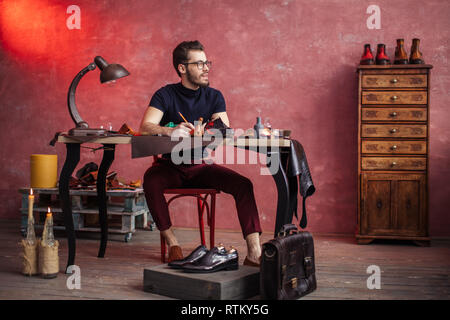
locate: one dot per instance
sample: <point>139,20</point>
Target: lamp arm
<point>79,122</point>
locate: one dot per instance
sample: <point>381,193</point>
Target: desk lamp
<point>109,73</point>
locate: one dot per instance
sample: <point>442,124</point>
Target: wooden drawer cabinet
<point>393,126</point>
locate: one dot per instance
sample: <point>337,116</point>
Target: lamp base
<point>82,132</point>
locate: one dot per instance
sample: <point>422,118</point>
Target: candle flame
<point>31,191</point>
<point>49,213</point>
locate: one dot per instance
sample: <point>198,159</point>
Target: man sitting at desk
<point>193,98</point>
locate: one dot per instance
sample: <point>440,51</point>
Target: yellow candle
<point>30,204</point>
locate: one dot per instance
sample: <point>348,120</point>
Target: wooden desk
<point>277,151</point>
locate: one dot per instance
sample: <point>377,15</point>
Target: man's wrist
<point>167,131</point>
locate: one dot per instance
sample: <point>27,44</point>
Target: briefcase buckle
<point>307,262</point>
<point>294,283</point>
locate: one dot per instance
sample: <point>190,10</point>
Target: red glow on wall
<point>29,27</point>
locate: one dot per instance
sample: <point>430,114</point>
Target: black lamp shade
<point>110,72</point>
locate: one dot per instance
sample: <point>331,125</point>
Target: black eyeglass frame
<point>202,63</point>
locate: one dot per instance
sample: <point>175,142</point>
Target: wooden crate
<point>222,285</point>
<point>127,210</point>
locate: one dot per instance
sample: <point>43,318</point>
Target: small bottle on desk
<point>198,127</point>
<point>258,127</point>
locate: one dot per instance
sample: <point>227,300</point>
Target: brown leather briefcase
<point>287,265</point>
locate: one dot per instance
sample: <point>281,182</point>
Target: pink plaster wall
<point>295,61</point>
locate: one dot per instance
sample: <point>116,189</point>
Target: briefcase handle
<point>286,229</point>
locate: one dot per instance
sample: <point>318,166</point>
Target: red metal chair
<point>202,204</point>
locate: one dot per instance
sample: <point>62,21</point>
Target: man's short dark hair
<point>181,52</point>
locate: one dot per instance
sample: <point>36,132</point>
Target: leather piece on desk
<point>145,146</point>
<point>298,167</point>
<point>84,139</point>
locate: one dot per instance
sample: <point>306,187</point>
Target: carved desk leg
<point>108,158</point>
<point>276,162</point>
<point>72,159</point>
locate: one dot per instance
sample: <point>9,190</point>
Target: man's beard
<point>193,80</point>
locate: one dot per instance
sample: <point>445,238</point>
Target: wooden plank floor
<point>407,271</point>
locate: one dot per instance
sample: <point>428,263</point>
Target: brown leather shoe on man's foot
<point>175,253</point>
<point>250,263</point>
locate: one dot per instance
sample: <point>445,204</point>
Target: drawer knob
<point>379,204</point>
<point>394,80</point>
<point>393,114</point>
<point>393,164</point>
<point>393,130</point>
<point>394,97</point>
<point>394,147</point>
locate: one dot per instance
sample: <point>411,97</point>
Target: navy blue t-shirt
<point>193,104</point>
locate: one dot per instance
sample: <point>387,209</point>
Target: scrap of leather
<point>87,179</point>
<point>86,169</point>
<point>125,129</point>
<point>298,167</point>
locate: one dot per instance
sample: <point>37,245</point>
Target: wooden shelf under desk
<point>128,211</point>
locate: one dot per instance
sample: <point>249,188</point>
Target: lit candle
<point>49,212</point>
<point>47,235</point>
<point>30,204</point>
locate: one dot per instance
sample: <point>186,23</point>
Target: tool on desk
<point>198,128</point>
<point>183,117</point>
<point>258,127</point>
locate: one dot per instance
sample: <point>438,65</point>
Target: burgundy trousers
<point>166,175</point>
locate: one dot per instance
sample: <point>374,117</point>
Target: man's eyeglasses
<point>200,64</point>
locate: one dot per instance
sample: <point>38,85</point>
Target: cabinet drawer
<point>393,131</point>
<point>394,147</point>
<point>394,81</point>
<point>394,97</point>
<point>393,163</point>
<point>394,114</point>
